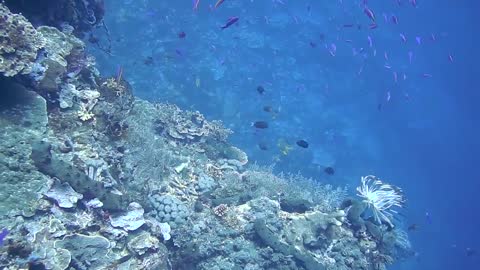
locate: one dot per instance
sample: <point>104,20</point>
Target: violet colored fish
<point>394,19</point>
<point>333,49</point>
<point>428,217</point>
<point>370,41</point>
<point>195,4</point>
<point>385,18</point>
<point>230,22</point>
<point>3,234</point>
<point>419,40</point>
<point>369,13</point>
<point>450,58</point>
<point>403,37</point>
<point>414,3</point>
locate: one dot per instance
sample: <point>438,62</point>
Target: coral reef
<point>92,177</point>
<point>188,126</point>
<point>19,43</point>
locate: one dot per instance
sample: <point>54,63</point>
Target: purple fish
<point>3,234</point>
<point>195,4</point>
<point>394,19</point>
<point>333,49</point>
<point>230,22</point>
<point>428,218</point>
<point>385,17</point>
<point>419,40</point>
<point>369,13</point>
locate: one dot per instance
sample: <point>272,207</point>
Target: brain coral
<point>19,43</point>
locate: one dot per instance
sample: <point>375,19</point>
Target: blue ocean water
<point>398,101</point>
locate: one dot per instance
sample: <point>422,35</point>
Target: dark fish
<point>182,35</point>
<point>230,22</point>
<point>312,44</point>
<point>260,90</point>
<point>329,171</point>
<point>260,124</point>
<point>268,109</point>
<point>148,61</point>
<point>412,227</point>
<point>302,143</point>
<point>3,234</point>
<point>394,19</point>
<point>470,252</point>
<point>263,146</point>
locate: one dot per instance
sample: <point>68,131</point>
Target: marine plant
<point>381,198</point>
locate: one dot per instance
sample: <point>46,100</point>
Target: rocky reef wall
<point>92,177</point>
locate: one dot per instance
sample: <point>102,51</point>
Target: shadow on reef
<point>13,93</point>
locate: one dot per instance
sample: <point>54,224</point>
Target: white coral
<point>381,198</point>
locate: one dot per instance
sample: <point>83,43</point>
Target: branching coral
<point>381,198</point>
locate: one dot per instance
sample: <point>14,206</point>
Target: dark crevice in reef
<point>13,93</point>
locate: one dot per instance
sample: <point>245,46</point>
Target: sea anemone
<point>381,198</point>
